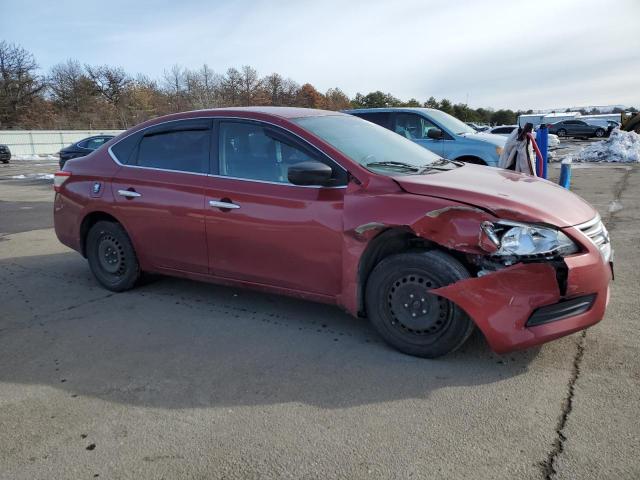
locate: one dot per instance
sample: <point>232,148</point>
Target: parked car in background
<point>577,128</point>
<point>83,147</point>
<point>608,125</point>
<point>5,154</point>
<point>477,127</point>
<point>502,129</point>
<point>328,207</point>
<point>438,132</point>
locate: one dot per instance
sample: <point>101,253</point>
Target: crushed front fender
<point>501,303</point>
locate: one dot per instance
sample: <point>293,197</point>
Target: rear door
<point>263,229</point>
<point>159,193</point>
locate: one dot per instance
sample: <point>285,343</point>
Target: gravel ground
<point>179,379</point>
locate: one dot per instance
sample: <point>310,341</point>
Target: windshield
<point>372,146</point>
<point>450,123</point>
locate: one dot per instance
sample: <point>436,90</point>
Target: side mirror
<point>309,173</point>
<point>435,134</point>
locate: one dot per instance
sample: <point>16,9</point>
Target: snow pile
<point>619,147</point>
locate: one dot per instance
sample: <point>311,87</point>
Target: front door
<point>160,195</point>
<point>261,228</point>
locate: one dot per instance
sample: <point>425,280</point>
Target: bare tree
<point>290,91</point>
<point>203,87</point>
<point>175,86</point>
<point>69,87</point>
<point>231,85</point>
<point>112,84</point>
<point>19,83</point>
<point>249,85</point>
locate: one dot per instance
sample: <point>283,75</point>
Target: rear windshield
<point>372,146</point>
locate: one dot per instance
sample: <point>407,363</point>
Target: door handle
<point>223,204</point>
<point>129,193</point>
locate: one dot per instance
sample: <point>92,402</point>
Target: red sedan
<point>332,208</point>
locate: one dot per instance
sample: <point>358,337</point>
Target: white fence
<point>45,142</point>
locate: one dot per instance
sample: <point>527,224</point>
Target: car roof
<point>282,112</point>
<point>393,109</point>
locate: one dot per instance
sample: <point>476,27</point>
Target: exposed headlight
<point>499,151</point>
<point>521,239</point>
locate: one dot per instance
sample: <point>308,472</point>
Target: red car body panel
<point>284,236</point>
<point>310,242</point>
<point>169,214</point>
<point>507,194</point>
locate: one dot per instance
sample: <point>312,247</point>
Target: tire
<point>111,256</point>
<point>562,132</point>
<point>409,318</point>
<point>600,133</point>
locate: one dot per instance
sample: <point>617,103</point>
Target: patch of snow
<point>34,157</point>
<point>34,176</point>
<point>553,140</point>
<point>621,147</point>
<point>615,206</point>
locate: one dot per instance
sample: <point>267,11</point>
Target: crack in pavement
<point>549,465</point>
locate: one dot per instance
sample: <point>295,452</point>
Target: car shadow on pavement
<point>180,344</point>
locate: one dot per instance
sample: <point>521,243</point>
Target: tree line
<point>71,95</point>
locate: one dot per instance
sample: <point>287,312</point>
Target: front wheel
<point>402,309</point>
<point>600,133</point>
<point>111,256</point>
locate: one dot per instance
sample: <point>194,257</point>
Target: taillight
<point>59,178</point>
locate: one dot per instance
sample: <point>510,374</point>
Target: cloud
<point>498,53</point>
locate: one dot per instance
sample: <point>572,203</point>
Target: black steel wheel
<point>111,256</point>
<point>404,311</point>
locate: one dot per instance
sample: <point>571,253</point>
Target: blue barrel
<point>565,174</point>
<point>542,139</point>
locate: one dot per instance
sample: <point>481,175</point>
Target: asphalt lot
<point>179,379</point>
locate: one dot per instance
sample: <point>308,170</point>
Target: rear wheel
<point>562,132</point>
<point>405,313</point>
<point>111,256</point>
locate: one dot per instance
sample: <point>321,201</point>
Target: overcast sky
<point>494,53</point>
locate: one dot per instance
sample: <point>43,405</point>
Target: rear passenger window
<point>124,150</point>
<point>180,150</point>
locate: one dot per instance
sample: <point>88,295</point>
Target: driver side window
<point>412,126</point>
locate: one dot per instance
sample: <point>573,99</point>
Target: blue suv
<point>439,132</point>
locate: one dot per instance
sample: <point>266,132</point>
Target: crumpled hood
<point>509,195</point>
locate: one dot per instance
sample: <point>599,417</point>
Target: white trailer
<point>533,118</point>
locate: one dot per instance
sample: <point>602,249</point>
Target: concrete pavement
<point>178,379</point>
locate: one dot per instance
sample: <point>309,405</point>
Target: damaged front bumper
<point>528,304</point>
